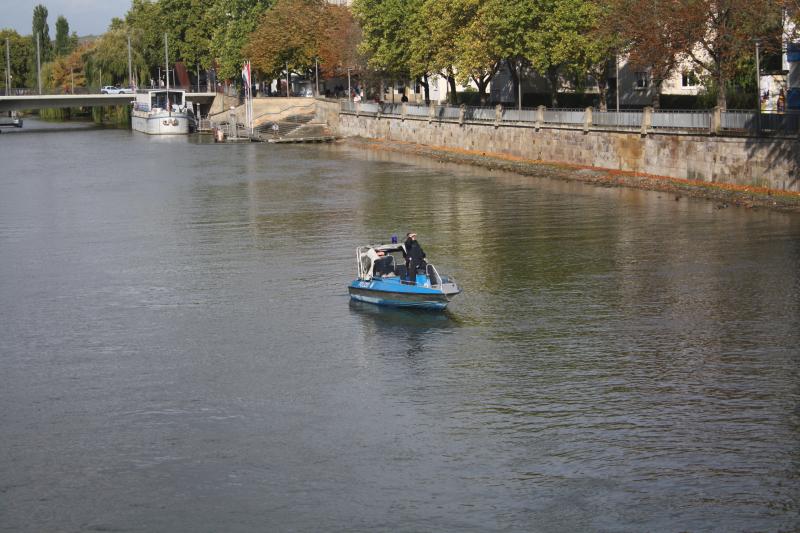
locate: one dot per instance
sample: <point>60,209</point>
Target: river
<point>178,351</point>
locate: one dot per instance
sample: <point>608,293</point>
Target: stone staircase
<point>292,128</point>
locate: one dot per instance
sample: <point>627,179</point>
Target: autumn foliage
<point>296,33</point>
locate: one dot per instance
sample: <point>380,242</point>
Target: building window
<point>689,79</point>
<point>641,80</point>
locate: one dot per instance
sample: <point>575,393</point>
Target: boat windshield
<point>161,99</point>
<point>380,260</point>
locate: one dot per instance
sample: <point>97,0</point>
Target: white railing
<point>434,278</point>
<point>643,120</point>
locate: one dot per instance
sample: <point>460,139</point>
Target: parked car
<point>113,89</point>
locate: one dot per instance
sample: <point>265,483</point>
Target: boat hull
<point>396,294</point>
<point>162,123</point>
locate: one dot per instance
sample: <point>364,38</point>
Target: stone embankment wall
<point>762,162</point>
<point>264,109</point>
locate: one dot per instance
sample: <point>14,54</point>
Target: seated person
<point>383,266</point>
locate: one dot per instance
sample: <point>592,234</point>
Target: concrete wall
<point>764,162</point>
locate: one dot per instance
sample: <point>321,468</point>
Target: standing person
<point>415,256</point>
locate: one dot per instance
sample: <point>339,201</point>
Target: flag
<point>246,74</point>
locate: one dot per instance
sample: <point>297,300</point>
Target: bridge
<point>53,101</point>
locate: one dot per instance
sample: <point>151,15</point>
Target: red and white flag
<point>246,74</point>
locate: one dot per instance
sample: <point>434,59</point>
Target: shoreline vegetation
<point>722,194</point>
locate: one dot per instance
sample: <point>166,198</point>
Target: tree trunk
<point>722,98</point>
<point>656,97</point>
<point>602,89</point>
<point>451,83</point>
<point>515,81</point>
<point>482,82</point>
<point>552,77</point>
<point>426,87</point>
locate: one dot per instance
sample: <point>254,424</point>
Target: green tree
<point>19,53</point>
<point>567,42</point>
<point>40,27</point>
<point>435,29</point>
<point>106,62</point>
<point>234,20</point>
<point>190,29</point>
<point>386,37</point>
<point>63,42</point>
<point>478,58</point>
<point>146,27</point>
<point>507,25</point>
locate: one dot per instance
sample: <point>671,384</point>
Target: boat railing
<point>363,263</point>
<point>433,275</point>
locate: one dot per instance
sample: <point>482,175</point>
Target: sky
<point>85,17</point>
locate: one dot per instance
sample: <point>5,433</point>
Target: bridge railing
<point>57,91</point>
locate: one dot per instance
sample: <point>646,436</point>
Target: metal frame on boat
<point>382,280</point>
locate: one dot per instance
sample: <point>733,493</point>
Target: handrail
<point>433,274</point>
<point>646,120</point>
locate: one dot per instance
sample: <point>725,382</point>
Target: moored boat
<point>382,280</point>
<point>162,112</point>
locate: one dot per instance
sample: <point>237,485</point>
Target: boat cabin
<point>161,99</point>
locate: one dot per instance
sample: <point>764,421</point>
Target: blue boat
<point>382,280</point>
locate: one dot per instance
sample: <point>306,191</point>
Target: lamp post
<point>758,86</point>
<point>8,69</point>
<point>349,91</point>
<point>616,68</point>
<point>130,69</point>
<point>38,64</point>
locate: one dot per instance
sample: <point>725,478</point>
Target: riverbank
<point>722,194</point>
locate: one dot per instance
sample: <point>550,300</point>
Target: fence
<point>734,122</point>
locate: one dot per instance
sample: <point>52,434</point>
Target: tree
<point>579,44</point>
<point>68,71</point>
<point>435,29</point>
<point>109,56</point>
<point>287,37</point>
<point>19,53</point>
<point>509,23</point>
<point>650,35</point>
<point>40,28</point>
<point>477,58</point>
<point>235,21</point>
<point>386,37</point>
<point>338,48</point>
<point>63,42</point>
<point>716,34</point>
<point>146,26</point>
<point>190,29</point>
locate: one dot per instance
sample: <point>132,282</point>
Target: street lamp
<point>349,91</point>
<point>758,85</point>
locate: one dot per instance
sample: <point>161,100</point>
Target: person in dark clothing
<point>415,257</point>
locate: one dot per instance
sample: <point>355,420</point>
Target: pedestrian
<point>415,257</point>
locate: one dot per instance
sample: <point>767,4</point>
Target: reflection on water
<point>179,352</point>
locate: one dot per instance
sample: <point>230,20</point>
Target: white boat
<point>162,112</point>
